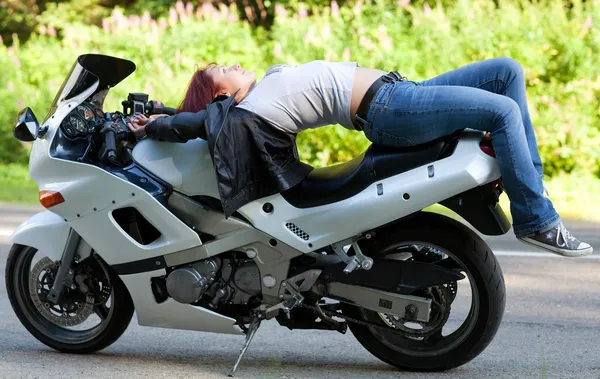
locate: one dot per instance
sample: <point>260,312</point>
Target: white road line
<point>524,254</point>
<point>6,232</point>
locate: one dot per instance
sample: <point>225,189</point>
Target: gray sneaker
<point>559,241</point>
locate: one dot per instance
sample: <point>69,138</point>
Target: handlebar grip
<point>170,111</point>
<point>110,145</point>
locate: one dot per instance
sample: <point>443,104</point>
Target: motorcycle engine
<point>215,281</point>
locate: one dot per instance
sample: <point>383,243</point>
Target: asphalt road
<point>551,329</point>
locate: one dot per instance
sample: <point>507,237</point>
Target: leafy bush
<point>556,42</point>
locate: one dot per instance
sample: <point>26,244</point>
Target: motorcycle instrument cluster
<point>80,122</point>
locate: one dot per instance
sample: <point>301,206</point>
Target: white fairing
<point>171,314</point>
<point>187,166</point>
<point>467,168</point>
<point>46,232</point>
<point>91,194</point>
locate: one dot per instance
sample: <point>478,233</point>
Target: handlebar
<point>113,130</point>
<point>156,107</point>
<point>170,111</point>
<point>110,145</point>
<point>137,103</point>
<point>109,148</point>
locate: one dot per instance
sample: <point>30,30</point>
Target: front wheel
<point>91,314</point>
<point>448,339</point>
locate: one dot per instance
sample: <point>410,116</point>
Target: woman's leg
<point>503,76</point>
<point>404,114</point>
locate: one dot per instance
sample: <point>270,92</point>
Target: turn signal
<point>49,199</point>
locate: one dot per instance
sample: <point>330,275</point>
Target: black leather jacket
<point>252,159</point>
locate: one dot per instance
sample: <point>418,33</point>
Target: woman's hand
<point>137,125</point>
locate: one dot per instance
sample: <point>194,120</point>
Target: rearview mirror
<point>27,127</point>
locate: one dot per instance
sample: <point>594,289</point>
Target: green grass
<point>574,197</point>
<point>16,186</point>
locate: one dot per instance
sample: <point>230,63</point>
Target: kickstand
<point>249,336</point>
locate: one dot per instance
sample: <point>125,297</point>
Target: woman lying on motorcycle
<point>488,96</point>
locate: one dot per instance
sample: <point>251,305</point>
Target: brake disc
<point>71,311</point>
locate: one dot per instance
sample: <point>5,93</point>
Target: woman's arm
<point>181,128</point>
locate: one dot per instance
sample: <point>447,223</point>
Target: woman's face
<point>230,79</point>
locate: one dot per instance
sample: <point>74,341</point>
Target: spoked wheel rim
<point>72,321</point>
<point>427,339</point>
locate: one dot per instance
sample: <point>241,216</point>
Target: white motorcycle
<point>139,225</point>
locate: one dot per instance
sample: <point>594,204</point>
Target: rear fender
<point>480,207</point>
<point>48,233</point>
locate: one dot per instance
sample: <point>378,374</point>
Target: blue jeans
<point>488,95</point>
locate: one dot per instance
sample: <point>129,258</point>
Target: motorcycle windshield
<point>93,74</point>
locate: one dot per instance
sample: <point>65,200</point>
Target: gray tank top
<point>295,98</point>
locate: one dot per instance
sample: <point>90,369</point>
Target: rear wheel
<point>90,315</point>
<point>465,316</point>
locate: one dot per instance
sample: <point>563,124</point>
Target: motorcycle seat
<point>335,183</point>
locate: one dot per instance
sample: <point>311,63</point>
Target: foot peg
<point>358,261</point>
<point>249,336</point>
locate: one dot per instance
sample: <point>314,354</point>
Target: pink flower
<point>335,9</point>
<point>277,51</point>
<point>179,7</point>
<point>426,9</point>
<point>386,42</point>
<point>172,16</point>
<point>117,16</point>
<point>346,54</point>
<point>1,41</point>
<point>148,88</point>
<point>105,25</point>
<point>303,13</point>
<point>588,23</point>
<point>309,36</point>
<point>162,23</point>
<point>146,19</point>
<point>224,10</point>
<point>326,31</point>
<point>51,31</point>
<point>10,86</point>
<point>134,21</point>
<point>280,11</point>
<point>366,43</point>
<point>154,28</point>
<point>208,9</point>
<point>189,9</point>
<point>231,18</point>
<point>358,7</point>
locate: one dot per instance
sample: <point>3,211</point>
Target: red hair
<point>200,92</point>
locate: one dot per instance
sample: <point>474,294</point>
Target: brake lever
<point>87,149</point>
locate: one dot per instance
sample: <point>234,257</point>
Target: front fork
<point>64,276</point>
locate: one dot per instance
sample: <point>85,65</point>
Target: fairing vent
<point>135,225</point>
<point>297,231</point>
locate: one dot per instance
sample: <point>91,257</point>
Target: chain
<point>354,320</point>
<point>394,330</point>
